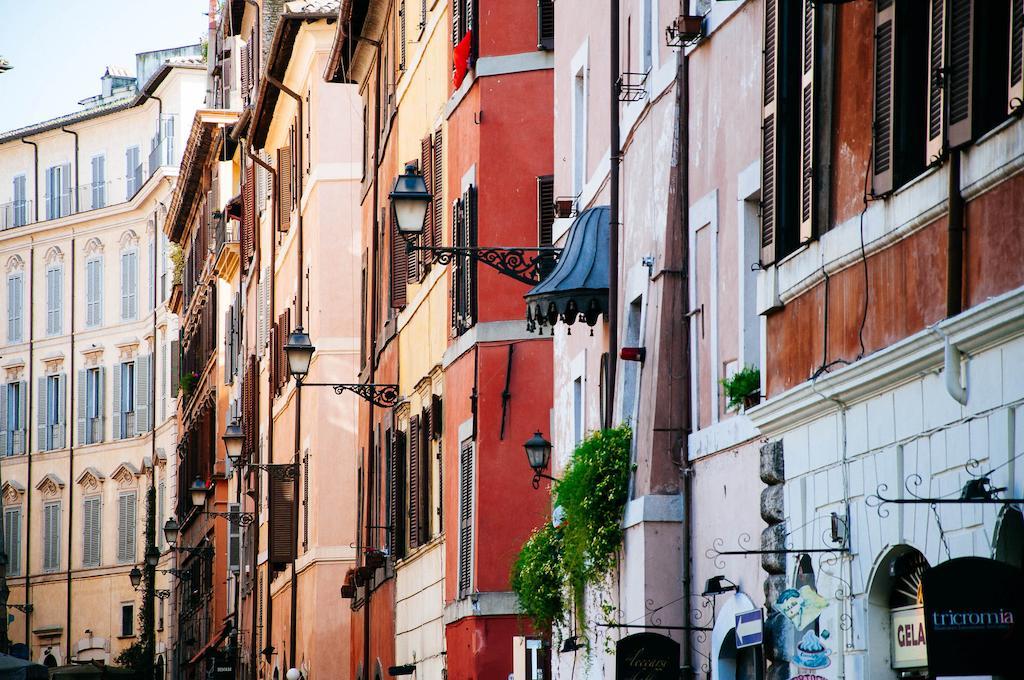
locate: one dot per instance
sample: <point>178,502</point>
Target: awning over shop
<point>210,645</point>
<point>577,288</point>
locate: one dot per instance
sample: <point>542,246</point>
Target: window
<point>51,536</point>
<point>579,131</point>
<point>99,181</point>
<point>631,369</point>
<point>545,24</point>
<point>92,531</point>
<point>90,407</point>
<point>94,292</point>
<point>127,619</point>
<point>129,285</point>
<point>133,171</point>
<point>54,300</point>
<point>577,411</point>
<point>464,229</point>
<point>20,204</point>
<point>127,527</point>
<point>161,511</point>
<point>15,302</point>
<point>58,191</point>
<point>462,19</point>
<point>12,540</point>
<point>545,210</point>
<point>124,400</point>
<point>396,455</point>
<point>12,419</point>
<point>466,498</point>
<point>647,44</point>
<point>52,407</point>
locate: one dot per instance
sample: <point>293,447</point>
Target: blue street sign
<point>749,628</point>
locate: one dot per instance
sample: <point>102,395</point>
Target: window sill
<point>126,637</point>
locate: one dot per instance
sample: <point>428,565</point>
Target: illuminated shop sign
<point>908,638</point>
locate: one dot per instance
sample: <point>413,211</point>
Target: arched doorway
<point>894,593</point>
<point>1009,543</point>
<point>161,668</point>
<point>728,662</point>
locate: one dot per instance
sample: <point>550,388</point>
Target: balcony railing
<point>225,231</point>
<point>16,214</point>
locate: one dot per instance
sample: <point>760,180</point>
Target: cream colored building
<point>87,365</point>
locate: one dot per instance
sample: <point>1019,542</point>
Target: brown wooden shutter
<point>415,497</point>
<point>436,425</point>
<point>273,357</point>
<point>248,241</point>
<point>1015,94</point>
<point>396,494</point>
<point>456,21</point>
<point>293,157</point>
<point>456,272</point>
<point>808,186</point>
<point>246,71</point>
<point>401,35</point>
<point>961,45</point>
<point>427,239</point>
<point>545,210</point>
<point>545,24</point>
<point>281,330</point>
<point>936,76</point>
<point>469,216</point>
<point>282,515</point>
<point>399,264</point>
<point>426,490</point>
<point>885,72</point>
<point>284,184</point>
<point>769,133</point>
<point>465,565</point>
<point>437,175</point>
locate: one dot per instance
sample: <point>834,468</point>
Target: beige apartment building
<point>88,358</point>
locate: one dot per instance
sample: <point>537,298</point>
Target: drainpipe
<point>77,191</point>
<point>613,201</point>
<point>28,436</point>
<point>70,429</point>
<point>35,180</point>
<point>956,229</point>
<point>298,390</point>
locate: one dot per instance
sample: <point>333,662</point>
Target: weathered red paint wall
<point>507,27</point>
<point>995,241</point>
<point>472,652</point>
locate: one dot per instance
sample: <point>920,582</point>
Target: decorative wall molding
<point>50,485</point>
<point>90,479</point>
<point>15,264</point>
<point>129,239</point>
<point>126,475</point>
<point>12,492</point>
<point>93,246</point>
<point>54,256</point>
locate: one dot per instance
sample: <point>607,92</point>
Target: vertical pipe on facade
<point>71,430</point>
<point>613,227</point>
<point>298,391</point>
<point>151,523</point>
<point>956,230</point>
<point>76,190</point>
<point>28,431</point>
<point>35,182</point>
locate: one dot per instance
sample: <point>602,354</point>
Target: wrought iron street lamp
<point>136,577</point>
<point>410,200</point>
<point>152,556</point>
<point>171,530</point>
<point>198,492</point>
<point>233,440</point>
<point>299,353</point>
<point>538,454</point>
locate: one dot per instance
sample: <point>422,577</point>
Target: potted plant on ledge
<point>743,388</point>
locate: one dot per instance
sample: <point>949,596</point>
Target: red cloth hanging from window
<point>461,59</point>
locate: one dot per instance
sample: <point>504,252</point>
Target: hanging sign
<point>908,640</point>
<point>749,628</point>
<point>646,656</point>
<point>973,617</point>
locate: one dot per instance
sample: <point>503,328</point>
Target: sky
<point>59,48</point>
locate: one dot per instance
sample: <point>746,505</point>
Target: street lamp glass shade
<point>233,439</point>
<point>299,352</point>
<point>198,492</point>
<point>136,576</point>
<point>152,555</point>
<point>538,451</point>
<point>410,200</point>
<point>293,674</point>
<point>171,530</point>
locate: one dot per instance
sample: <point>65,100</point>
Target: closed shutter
<point>414,482</point>
<point>117,402</point>
<point>91,530</point>
<point>51,537</point>
<point>127,527</point>
<point>282,515</point>
<point>545,210</point>
<point>175,369</point>
<point>82,419</point>
<point>466,482</point>
<point>1015,94</point>
<point>12,540</point>
<point>42,410</point>
<point>885,72</point>
<point>936,76</point>
<point>142,393</point>
<point>426,488</point>
<point>769,133</point>
<point>274,359</point>
<point>401,35</point>
<point>961,46</point>
<point>427,239</point>
<point>437,175</point>
<point>545,24</point>
<point>469,264</point>
<point>399,264</point>
<point>456,277</point>
<point>284,184</point>
<point>396,494</point>
<point>807,165</point>
<point>248,215</point>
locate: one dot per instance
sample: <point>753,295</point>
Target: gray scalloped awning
<point>577,288</point>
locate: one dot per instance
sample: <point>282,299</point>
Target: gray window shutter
<point>66,200</point>
<point>116,410</point>
<point>22,426</point>
<point>175,368</point>
<point>51,537</point>
<point>465,564</point>
<point>3,419</point>
<point>100,407</point>
<point>12,540</point>
<point>808,190</point>
<point>961,76</point>
<point>91,532</point>
<point>142,394</point>
<point>41,409</point>
<point>82,431</point>
<point>885,73</point>
<point>61,429</point>
<point>936,71</point>
<point>126,528</point>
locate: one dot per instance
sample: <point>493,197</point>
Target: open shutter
<point>401,35</point>
<point>465,518</point>
<point>769,132</point>
<point>61,429</point>
<point>396,500</point>
<point>961,46</point>
<point>42,407</point>
<point>142,393</point>
<point>284,203</point>
<point>97,436</point>
<point>399,264</point>
<point>1015,94</point>
<point>427,239</point>
<point>282,516</point>
<point>437,175</point>
<point>456,21</point>
<point>456,280</point>
<point>248,214</point>
<point>545,24</point>
<point>807,184</point>
<point>545,210</point>
<point>470,269</point>
<point>426,491</point>
<point>414,482</point>
<point>885,70</point>
<point>3,419</point>
<point>936,80</point>
<point>117,402</point>
<point>23,418</point>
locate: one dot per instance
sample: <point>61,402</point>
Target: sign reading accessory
<point>973,616</point>
<point>646,656</point>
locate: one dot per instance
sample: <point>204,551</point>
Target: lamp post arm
<point>514,262</point>
<point>380,394</point>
